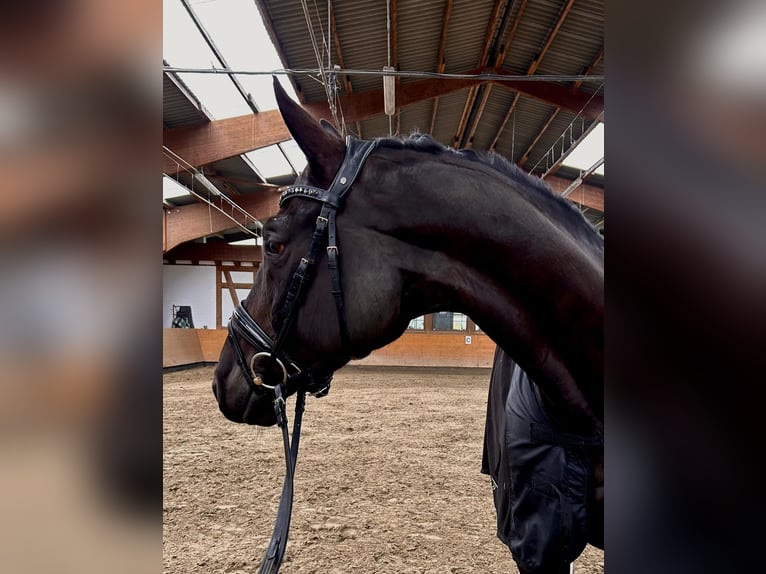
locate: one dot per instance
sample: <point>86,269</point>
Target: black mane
<point>570,214</point>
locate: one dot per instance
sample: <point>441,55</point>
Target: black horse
<point>422,228</point>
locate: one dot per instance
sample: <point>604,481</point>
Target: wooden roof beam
<point>441,63</point>
<point>479,112</point>
<point>218,251</point>
<point>339,56</point>
<point>489,41</point>
<point>511,34</point>
<point>190,222</point>
<point>535,63</point>
<point>505,121</point>
<point>587,195</point>
<point>498,63</point>
<point>587,105</point>
<point>551,36</point>
<point>525,156</point>
<point>219,139</point>
<point>587,71</point>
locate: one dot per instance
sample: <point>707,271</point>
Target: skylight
<point>270,161</point>
<point>171,189</point>
<point>236,28</point>
<point>588,151</point>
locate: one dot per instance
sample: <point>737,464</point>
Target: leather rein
<point>295,379</point>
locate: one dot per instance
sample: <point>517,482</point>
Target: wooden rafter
<point>339,54</point>
<point>230,285</point>
<point>441,62</point>
<point>525,156</point>
<point>587,71</point>
<point>220,139</point>
<point>497,64</point>
<point>511,34</point>
<point>551,36</point>
<point>505,121</point>
<point>535,63</point>
<point>479,112</point>
<point>489,40</point>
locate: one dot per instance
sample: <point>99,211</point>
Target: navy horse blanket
<point>542,474</point>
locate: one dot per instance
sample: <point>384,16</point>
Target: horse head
<point>305,295</point>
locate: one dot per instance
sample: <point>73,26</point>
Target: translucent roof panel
<point>588,151</point>
<point>218,94</point>
<point>171,189</point>
<point>294,154</point>
<point>238,31</point>
<point>182,44</point>
<point>270,161</point>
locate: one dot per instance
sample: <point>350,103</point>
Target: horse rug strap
<point>276,550</point>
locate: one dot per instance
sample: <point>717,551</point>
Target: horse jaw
<point>322,144</point>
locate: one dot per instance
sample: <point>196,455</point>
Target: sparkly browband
<point>302,190</point>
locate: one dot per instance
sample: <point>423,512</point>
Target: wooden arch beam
<point>190,222</point>
<point>220,139</point>
<point>587,195</point>
<point>219,251</point>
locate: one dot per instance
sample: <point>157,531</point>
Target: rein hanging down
<point>243,325</point>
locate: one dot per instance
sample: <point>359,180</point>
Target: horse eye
<point>274,247</point>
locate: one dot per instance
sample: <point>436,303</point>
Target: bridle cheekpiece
<point>243,325</point>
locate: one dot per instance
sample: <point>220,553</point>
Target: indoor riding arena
<point>388,479</point>
<point>389,471</point>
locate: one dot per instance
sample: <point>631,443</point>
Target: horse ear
<point>324,148</point>
<point>329,127</point>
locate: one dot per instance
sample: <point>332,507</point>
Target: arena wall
<point>414,349</point>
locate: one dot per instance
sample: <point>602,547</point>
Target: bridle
<point>295,379</point>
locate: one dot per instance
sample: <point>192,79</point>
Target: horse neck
<point>516,262</point>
